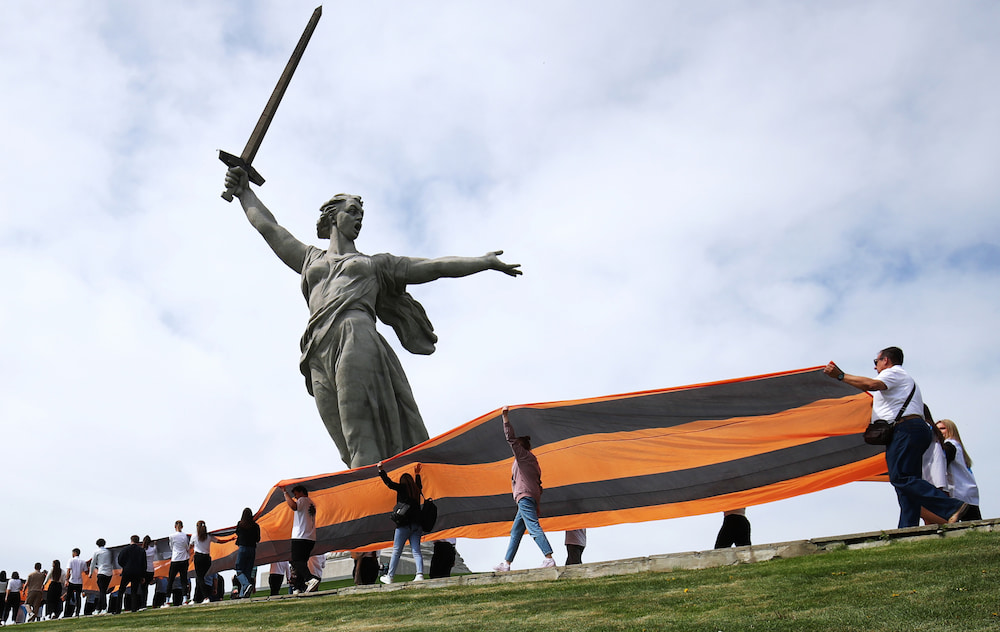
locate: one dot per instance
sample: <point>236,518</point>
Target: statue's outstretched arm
<point>283,243</point>
<point>424,270</point>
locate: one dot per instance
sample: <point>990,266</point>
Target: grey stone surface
<point>361,391</point>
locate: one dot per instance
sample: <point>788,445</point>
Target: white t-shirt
<point>935,465</point>
<point>202,546</point>
<point>180,543</point>
<point>886,404</point>
<point>304,525</point>
<point>74,570</point>
<point>102,562</point>
<point>150,558</point>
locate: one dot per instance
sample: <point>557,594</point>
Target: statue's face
<point>348,219</point>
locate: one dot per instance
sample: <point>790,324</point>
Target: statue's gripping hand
<point>237,181</point>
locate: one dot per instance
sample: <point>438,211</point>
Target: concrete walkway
<point>673,561</point>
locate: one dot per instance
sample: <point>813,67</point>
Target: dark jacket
<point>248,536</point>
<point>132,559</point>
<point>403,496</point>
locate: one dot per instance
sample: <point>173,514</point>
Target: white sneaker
<point>419,577</point>
<point>502,567</point>
<point>312,584</point>
<point>548,563</point>
<point>385,579</point>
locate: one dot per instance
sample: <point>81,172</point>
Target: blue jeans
<point>412,533</point>
<point>904,457</point>
<point>526,518</point>
<point>246,556</point>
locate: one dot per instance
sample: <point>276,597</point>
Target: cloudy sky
<point>696,192</point>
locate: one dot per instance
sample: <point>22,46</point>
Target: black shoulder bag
<point>879,432</point>
<point>401,514</point>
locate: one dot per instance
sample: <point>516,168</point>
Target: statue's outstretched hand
<point>511,269</point>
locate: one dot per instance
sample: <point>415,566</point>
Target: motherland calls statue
<point>360,389</point>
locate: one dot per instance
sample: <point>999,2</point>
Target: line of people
<point>62,591</point>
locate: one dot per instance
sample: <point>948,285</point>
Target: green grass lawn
<point>950,584</point>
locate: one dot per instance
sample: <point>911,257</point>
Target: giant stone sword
<point>245,159</point>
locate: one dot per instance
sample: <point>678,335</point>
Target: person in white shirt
<point>180,557</point>
<point>961,483</point>
<point>303,536</point>
<point>892,390</point>
<point>12,598</point>
<point>575,541</point>
<point>75,570</point>
<point>316,565</point>
<point>103,564</point>
<point>276,576</point>
<point>203,560</point>
<point>150,577</point>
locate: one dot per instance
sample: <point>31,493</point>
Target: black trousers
<point>74,597</point>
<point>103,581</point>
<point>53,599</point>
<point>443,559</point>
<point>177,568</point>
<point>735,530</point>
<point>274,580</point>
<point>131,602</point>
<point>574,554</point>
<point>202,562</point>
<point>301,550</point>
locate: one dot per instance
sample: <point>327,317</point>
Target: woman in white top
<point>202,559</point>
<point>961,482</point>
<point>150,549</point>
<point>12,598</point>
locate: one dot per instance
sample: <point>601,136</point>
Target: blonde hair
<point>953,434</point>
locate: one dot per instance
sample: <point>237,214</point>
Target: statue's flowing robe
<point>360,388</point>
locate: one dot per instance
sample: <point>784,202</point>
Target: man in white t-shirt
<point>75,570</point>
<point>180,558</point>
<point>102,563</point>
<point>891,390</point>
<point>303,537</point>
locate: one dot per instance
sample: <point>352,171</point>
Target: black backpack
<point>428,515</point>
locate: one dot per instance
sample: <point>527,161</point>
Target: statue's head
<point>328,212</point>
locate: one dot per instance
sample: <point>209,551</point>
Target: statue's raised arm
<point>283,243</point>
